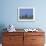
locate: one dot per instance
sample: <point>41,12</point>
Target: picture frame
<point>26,14</point>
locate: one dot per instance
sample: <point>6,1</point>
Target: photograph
<point>26,14</point>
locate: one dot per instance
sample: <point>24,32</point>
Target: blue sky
<point>26,11</point>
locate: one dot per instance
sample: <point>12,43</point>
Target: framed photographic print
<point>26,14</point>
